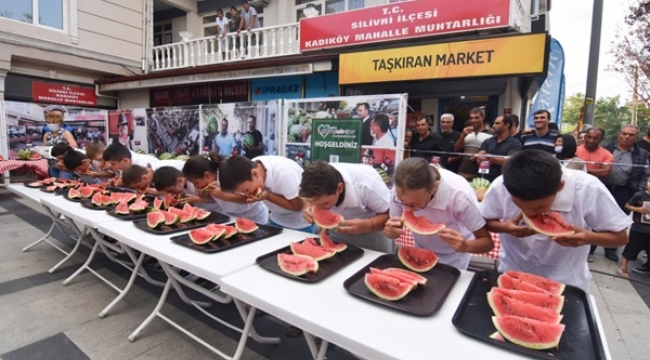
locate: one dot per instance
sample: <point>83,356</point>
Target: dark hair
<point>478,110</point>
<point>60,149</point>
<point>423,117</point>
<point>234,8</point>
<point>542,111</point>
<point>235,171</point>
<point>253,117</point>
<point>382,122</point>
<point>198,165</point>
<point>415,173</point>
<point>133,174</point>
<point>569,146</point>
<point>219,10</point>
<point>602,131</point>
<point>584,132</point>
<point>508,122</point>
<point>365,105</point>
<point>532,175</point>
<point>72,159</point>
<point>165,177</point>
<point>116,152</point>
<point>514,118</point>
<point>319,179</point>
<point>408,129</point>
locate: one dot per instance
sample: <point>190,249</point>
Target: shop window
<point>47,13</point>
<point>319,7</point>
<point>210,21</point>
<point>162,33</point>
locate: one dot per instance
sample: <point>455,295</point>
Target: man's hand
<point>354,226</point>
<point>579,238</point>
<point>643,210</point>
<point>516,230</point>
<point>468,130</point>
<point>394,228</point>
<point>454,239</point>
<point>306,214</point>
<point>262,197</point>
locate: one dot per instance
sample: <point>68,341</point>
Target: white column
<point>4,144</point>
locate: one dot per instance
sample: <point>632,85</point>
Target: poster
<point>382,160</point>
<point>243,128</point>
<point>128,127</point>
<point>336,140</point>
<point>173,131</point>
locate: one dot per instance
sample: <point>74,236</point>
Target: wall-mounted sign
<point>197,94</point>
<point>238,88</point>
<point>336,140</point>
<point>63,94</point>
<point>277,88</point>
<point>410,19</point>
<point>512,55</point>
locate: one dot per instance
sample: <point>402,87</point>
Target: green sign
<point>336,140</point>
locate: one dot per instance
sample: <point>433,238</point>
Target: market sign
<point>63,94</point>
<point>277,88</point>
<point>512,55</point>
<point>336,140</point>
<point>411,19</point>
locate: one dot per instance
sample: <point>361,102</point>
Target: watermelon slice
<point>328,243</point>
<point>417,259</point>
<point>86,191</point>
<point>413,282</point>
<point>137,206</point>
<point>97,200</point>
<point>549,301</point>
<point>318,253</point>
<point>387,287</point>
<point>420,224</point>
<point>157,204</point>
<point>185,217</point>
<point>325,219</point>
<point>245,226</point>
<point>51,188</point>
<point>106,200</point>
<point>311,241</point>
<point>170,219</point>
<point>74,193</point>
<point>297,265</point>
<point>550,224</point>
<point>549,285</point>
<point>122,208</point>
<point>202,214</point>
<point>189,208</point>
<point>201,236</point>
<point>503,305</point>
<point>421,280</point>
<point>529,333</point>
<point>511,283</point>
<point>154,219</point>
<point>229,230</point>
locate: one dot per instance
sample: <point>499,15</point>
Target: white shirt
<point>222,24</point>
<point>283,178</point>
<point>454,205</point>
<point>225,143</point>
<point>144,160</point>
<point>474,140</point>
<point>583,202</point>
<point>386,141</point>
<point>257,211</point>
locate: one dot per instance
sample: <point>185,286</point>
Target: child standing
<point>639,232</point>
<point>533,183</point>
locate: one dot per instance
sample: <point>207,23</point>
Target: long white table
<point>213,267</point>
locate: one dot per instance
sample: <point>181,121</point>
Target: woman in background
<point>565,150</point>
<point>56,134</point>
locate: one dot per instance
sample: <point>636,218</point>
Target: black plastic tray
<point>65,195</point>
<point>214,218</point>
<point>326,267</point>
<point>87,203</point>
<point>27,184</point>
<point>264,231</point>
<point>58,191</point>
<point>130,217</point>
<point>581,339</point>
<point>423,301</point>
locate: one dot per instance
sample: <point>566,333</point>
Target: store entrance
<point>460,107</point>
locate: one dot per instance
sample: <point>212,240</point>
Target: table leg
<point>82,236</point>
<point>175,278</point>
<point>84,266</point>
<point>126,289</point>
<point>154,313</point>
<point>316,352</point>
<point>56,223</point>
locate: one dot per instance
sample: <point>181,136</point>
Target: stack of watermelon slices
<point>174,215</point>
<point>213,232</point>
<point>308,253</point>
<point>528,310</point>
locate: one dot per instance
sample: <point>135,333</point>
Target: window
<point>210,21</point>
<point>326,6</point>
<point>162,33</point>
<point>35,12</point>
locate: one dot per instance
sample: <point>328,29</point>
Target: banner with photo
<point>243,128</point>
<point>173,132</point>
<point>128,127</point>
<point>26,126</point>
<point>382,129</point>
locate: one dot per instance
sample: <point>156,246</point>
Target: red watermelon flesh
<point>106,200</point>
<point>549,285</point>
<point>417,259</point>
<point>51,188</point>
<point>36,184</point>
<point>420,224</point>
<point>86,191</point>
<point>170,219</point>
<point>297,265</point>
<point>201,214</point>
<point>184,216</point>
<point>157,204</point>
<point>387,287</point>
<point>550,224</point>
<point>245,226</point>
<point>154,219</point>
<point>116,197</point>
<point>529,333</point>
<point>325,219</point>
<point>48,181</point>
<point>421,280</point>
<point>318,253</point>
<point>229,230</point>
<point>176,211</point>
<point>189,208</point>
<point>138,206</point>
<point>97,200</point>
<point>511,283</point>
<point>310,241</point>
<point>201,236</point>
<point>327,242</point>
<point>503,305</point>
<point>74,194</point>
<point>122,208</point>
<point>549,301</point>
<point>413,283</point>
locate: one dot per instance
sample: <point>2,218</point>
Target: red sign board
<point>404,20</point>
<point>63,94</point>
<point>197,94</point>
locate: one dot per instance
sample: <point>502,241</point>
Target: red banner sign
<point>197,94</point>
<point>63,94</point>
<point>404,20</point>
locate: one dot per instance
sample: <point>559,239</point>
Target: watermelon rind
<point>245,226</point>
<point>325,219</point>
<point>547,284</point>
<point>327,242</point>
<point>545,300</point>
<point>201,236</point>
<point>157,204</point>
<point>122,209</point>
<point>202,214</point>
<point>503,305</point>
<point>86,192</point>
<point>259,191</point>
<point>137,207</point>
<point>155,218</point>
<point>497,336</point>
<point>96,200</point>
<point>529,333</point>
<point>170,219</point>
<point>417,259</point>
<point>538,224</point>
<point>509,282</point>
<point>73,194</point>
<point>420,224</point>
<point>386,287</point>
<point>289,263</point>
<point>318,253</point>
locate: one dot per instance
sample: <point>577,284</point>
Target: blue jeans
<point>310,229</point>
<point>54,172</point>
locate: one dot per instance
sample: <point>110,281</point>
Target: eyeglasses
<point>396,200</point>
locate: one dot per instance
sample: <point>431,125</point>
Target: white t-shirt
<point>222,24</point>
<point>583,202</point>
<point>455,205</point>
<point>386,141</point>
<point>283,178</point>
<point>144,160</point>
<point>257,211</point>
<point>474,140</point>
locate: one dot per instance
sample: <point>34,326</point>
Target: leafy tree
<point>608,114</point>
<point>631,49</point>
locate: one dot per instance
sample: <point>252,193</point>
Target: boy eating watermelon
<point>534,183</point>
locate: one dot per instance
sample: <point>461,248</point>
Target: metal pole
<point>592,70</point>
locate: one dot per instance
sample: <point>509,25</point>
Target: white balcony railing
<point>256,44</point>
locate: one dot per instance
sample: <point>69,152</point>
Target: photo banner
<point>128,127</point>
<point>172,132</point>
<point>336,140</point>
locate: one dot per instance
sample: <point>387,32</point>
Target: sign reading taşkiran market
<point>513,55</point>
<point>410,19</point>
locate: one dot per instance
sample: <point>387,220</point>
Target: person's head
<point>169,180</point>
<point>502,124</point>
<point>565,146</point>
<point>515,123</point>
<point>95,150</point>
<point>224,126</point>
<point>446,123</point>
<point>581,137</point>
<point>252,122</point>
<point>393,119</point>
<point>416,183</point>
<point>75,161</point>
<point>380,124</point>
<point>627,136</point>
<point>241,175</point>
<point>533,178</point>
<point>363,110</point>
<point>122,125</point>
<point>137,177</point>
<point>476,117</point>
<point>220,13</point>
<point>55,118</point>
<point>116,157</point>
<point>202,171</point>
<point>408,135</point>
<point>321,185</point>
<point>245,5</point>
<point>541,119</point>
<point>593,137</point>
<point>368,157</point>
<point>58,150</point>
<point>422,125</point>
<point>233,11</point>
<point>553,126</point>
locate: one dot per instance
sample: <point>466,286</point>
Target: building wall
<point>134,99</point>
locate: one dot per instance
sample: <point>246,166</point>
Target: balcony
<point>263,43</point>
